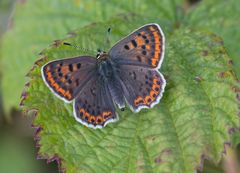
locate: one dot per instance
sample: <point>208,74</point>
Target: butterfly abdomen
<point>107,70</point>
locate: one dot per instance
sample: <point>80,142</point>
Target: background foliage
<point>196,116</point>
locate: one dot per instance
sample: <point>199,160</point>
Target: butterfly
<point>128,73</point>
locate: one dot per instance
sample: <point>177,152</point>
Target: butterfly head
<point>101,56</point>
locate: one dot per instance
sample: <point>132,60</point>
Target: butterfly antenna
<point>107,41</point>
<point>80,48</point>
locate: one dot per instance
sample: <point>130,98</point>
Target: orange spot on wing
<point>154,92</point>
<point>64,70</point>
<point>62,91</point>
<point>156,88</point>
<point>138,101</point>
<point>92,119</point>
<point>99,119</point>
<point>95,119</point>
<point>50,78</point>
<point>62,79</point>
<point>140,41</point>
<point>106,115</point>
<point>68,95</point>
<point>82,111</point>
<point>86,114</point>
<point>75,67</point>
<point>148,47</point>
<point>153,95</point>
<point>151,28</point>
<point>155,80</point>
<point>154,62</point>
<point>157,49</point>
<point>57,87</point>
<point>148,100</point>
<point>49,74</point>
<point>130,46</point>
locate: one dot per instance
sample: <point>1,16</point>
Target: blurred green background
<point>18,153</point>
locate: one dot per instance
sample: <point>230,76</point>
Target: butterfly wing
<point>94,106</point>
<point>142,87</point>
<point>144,47</point>
<point>67,77</point>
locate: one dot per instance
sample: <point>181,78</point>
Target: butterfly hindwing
<point>143,47</point>
<point>94,106</point>
<point>142,87</point>
<point>66,77</point>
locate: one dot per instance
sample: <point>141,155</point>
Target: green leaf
<point>211,168</point>
<point>37,23</point>
<point>221,17</point>
<point>191,121</point>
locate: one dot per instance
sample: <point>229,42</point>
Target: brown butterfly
<point>128,73</point>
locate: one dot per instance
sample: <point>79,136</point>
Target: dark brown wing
<point>94,106</point>
<point>142,87</point>
<point>144,47</point>
<point>67,77</point>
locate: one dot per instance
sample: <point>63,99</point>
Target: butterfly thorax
<point>105,66</point>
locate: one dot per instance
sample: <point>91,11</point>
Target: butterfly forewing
<point>94,106</point>
<point>67,77</point>
<point>142,87</point>
<point>144,47</point>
